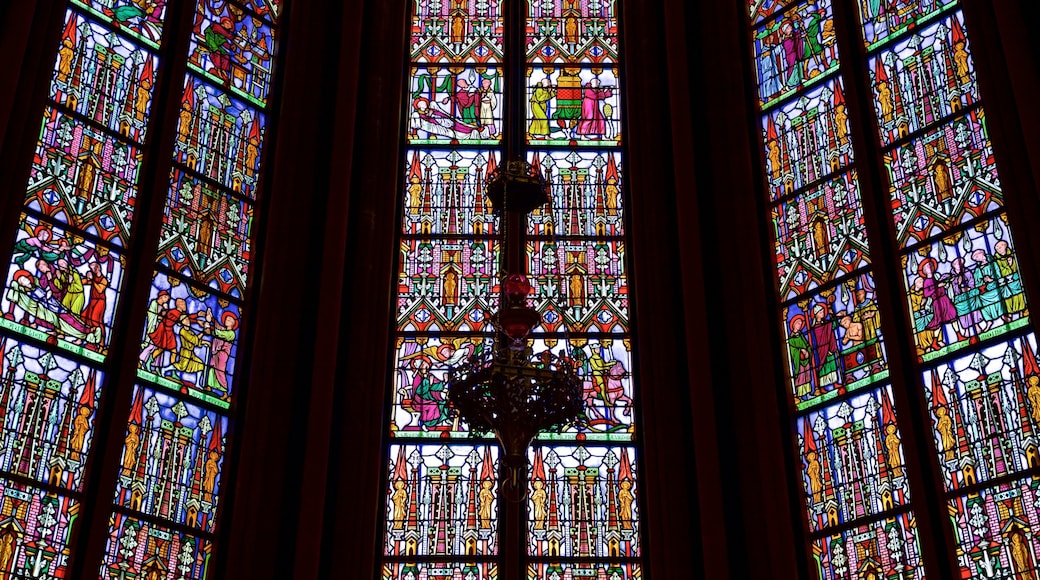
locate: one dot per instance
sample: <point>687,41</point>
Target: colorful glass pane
<point>572,31</point>
<point>447,285</point>
<point>820,235</point>
<point>582,502</point>
<point>852,460</point>
<point>457,31</point>
<point>84,178</point>
<point>986,412</point>
<point>884,20</point>
<point>561,571</point>
<point>887,548</point>
<point>759,10</point>
<point>442,500</point>
<point>62,288</point>
<point>233,49</point>
<point>153,552</point>
<point>206,234</point>
<point>445,192</point>
<point>923,79</point>
<point>171,460</point>
<point>270,10</point>
<point>572,106</point>
<point>579,286</point>
<point>834,342</point>
<point>964,288</point>
<point>142,20</point>
<point>104,77</point>
<point>586,194</point>
<point>35,528</point>
<point>420,406</point>
<point>795,51</point>
<point>473,570</point>
<point>220,137</point>
<point>995,531</point>
<point>806,139</point>
<point>190,341</point>
<point>943,178</point>
<point>48,406</point>
<point>455,106</point>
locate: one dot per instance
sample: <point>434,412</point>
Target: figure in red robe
<point>592,120</point>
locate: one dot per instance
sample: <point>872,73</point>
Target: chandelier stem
<point>513,526</point>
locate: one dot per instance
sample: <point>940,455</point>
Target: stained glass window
<point>441,506</point>
<point>65,295</point>
<point>953,266</point>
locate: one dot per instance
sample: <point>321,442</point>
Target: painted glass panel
<point>172,456</point>
<point>834,342</point>
<point>270,10</point>
<point>761,9</point>
<point>84,178</point>
<point>943,178</point>
<point>582,502</point>
<point>447,285</point>
<point>852,460</point>
<point>887,548</point>
<point>190,340</point>
<point>48,405</point>
<point>579,286</point>
<point>445,192</point>
<point>220,137</point>
<point>153,551</point>
<point>233,49</point>
<point>923,79</point>
<point>795,51</point>
<point>572,31</point>
<point>442,500</point>
<point>440,571</point>
<point>964,288</point>
<point>141,19</point>
<point>985,410</point>
<point>820,235</point>
<point>206,234</point>
<point>806,139</point>
<point>420,407</point>
<point>62,288</point>
<point>561,571</point>
<point>35,527</point>
<point>104,77</point>
<point>587,199</point>
<point>573,106</point>
<point>996,531</point>
<point>457,31</point>
<point>455,106</point>
<point>884,20</point>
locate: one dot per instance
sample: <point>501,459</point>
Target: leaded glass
<point>806,139</point>
<point>190,340</point>
<point>820,235</point>
<point>985,410</point>
<point>84,178</point>
<point>457,31</point>
<point>995,530</point>
<point>834,342</point>
<point>883,20</point>
<point>887,548</point>
<point>795,50</point>
<point>587,198</point>
<point>582,503</point>
<point>440,571</point>
<point>233,49</point>
<point>442,501</point>
<point>572,31</point>
<point>923,79</point>
<point>104,77</point>
<point>447,284</point>
<point>579,286</point>
<point>62,288</point>
<point>760,10</point>
<point>444,192</point>
<point>153,551</point>
<point>455,106</point>
<point>945,177</point>
<point>964,288</point>
<point>269,10</point>
<point>142,20</point>
<point>561,571</point>
<point>35,528</point>
<point>572,105</point>
<point>48,405</point>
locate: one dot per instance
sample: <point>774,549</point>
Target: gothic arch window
<point>912,375</point>
<point>128,286</point>
<point>490,81</point>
